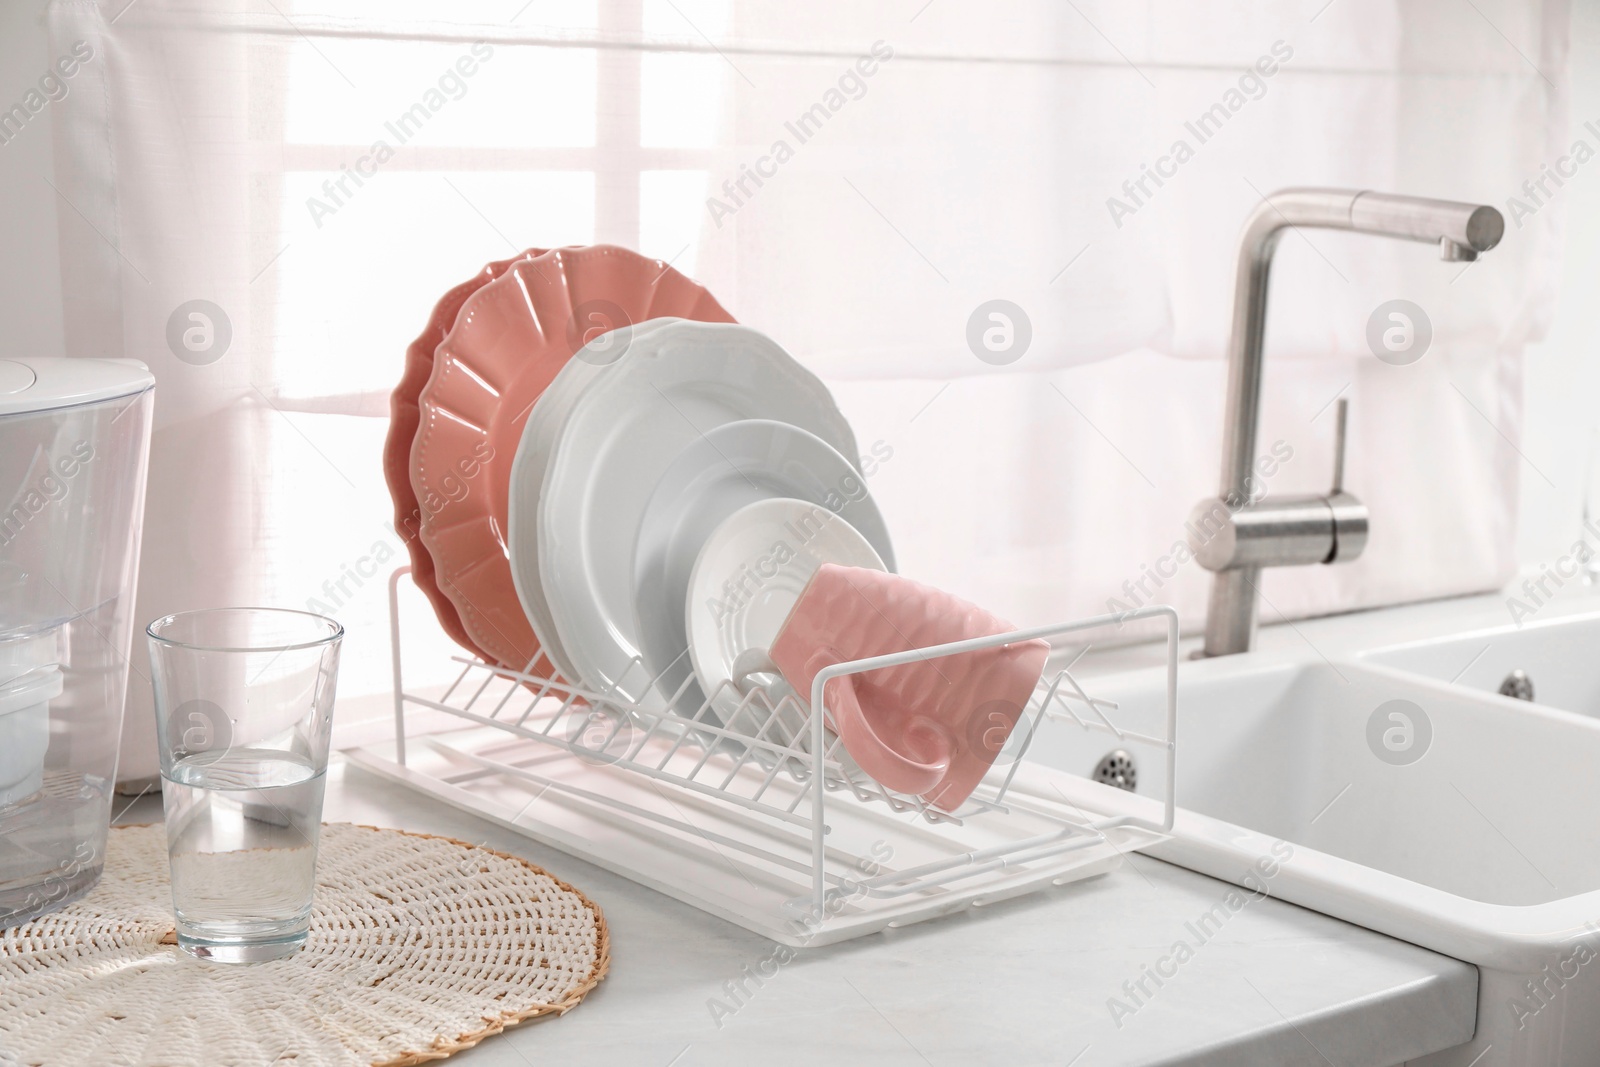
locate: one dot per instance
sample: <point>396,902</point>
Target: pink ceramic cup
<point>932,727</point>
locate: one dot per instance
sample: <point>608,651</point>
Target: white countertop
<point>1022,982</point>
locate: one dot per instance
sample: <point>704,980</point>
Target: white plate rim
<point>529,470</point>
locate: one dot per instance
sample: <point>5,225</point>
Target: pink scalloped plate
<point>404,418</point>
<point>510,339</point>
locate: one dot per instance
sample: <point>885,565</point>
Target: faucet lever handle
<point>1349,514</point>
<point>1341,417</point>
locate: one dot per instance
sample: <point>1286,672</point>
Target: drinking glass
<point>244,710</point>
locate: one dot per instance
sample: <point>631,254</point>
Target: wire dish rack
<point>780,834</point>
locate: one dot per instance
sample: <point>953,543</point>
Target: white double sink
<point>1409,796</point>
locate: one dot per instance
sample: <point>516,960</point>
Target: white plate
<point>673,384</point>
<point>746,580</point>
<point>732,465</point>
<point>528,471</point>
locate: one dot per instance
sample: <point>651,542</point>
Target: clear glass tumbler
<point>244,710</point>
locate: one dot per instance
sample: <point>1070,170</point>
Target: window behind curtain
<point>978,161</point>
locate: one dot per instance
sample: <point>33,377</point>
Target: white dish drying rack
<point>735,825</point>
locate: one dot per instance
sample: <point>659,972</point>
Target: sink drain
<point>1117,768</point>
<point>1517,686</point>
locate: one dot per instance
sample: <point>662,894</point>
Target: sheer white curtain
<point>856,180</point>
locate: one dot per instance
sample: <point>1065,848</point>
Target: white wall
<point>30,272</point>
<point>1562,375</point>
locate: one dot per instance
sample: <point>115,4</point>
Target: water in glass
<point>242,838</point>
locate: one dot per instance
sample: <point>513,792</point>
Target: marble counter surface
<point>1068,976</point>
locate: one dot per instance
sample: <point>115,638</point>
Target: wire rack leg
<point>394,664</point>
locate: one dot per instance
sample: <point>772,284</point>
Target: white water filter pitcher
<point>74,441</point>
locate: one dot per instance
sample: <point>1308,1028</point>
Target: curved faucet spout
<point>1460,230</point>
<point>1471,228</point>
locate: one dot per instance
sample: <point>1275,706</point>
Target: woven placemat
<point>420,946</point>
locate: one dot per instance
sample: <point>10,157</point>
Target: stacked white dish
<point>641,484</point>
<point>770,548</point>
<point>686,565</point>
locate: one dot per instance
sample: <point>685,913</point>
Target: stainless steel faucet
<point>1236,535</point>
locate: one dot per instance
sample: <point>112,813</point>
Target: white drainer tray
<point>735,825</point>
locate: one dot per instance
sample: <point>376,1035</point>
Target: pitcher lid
<point>40,384</point>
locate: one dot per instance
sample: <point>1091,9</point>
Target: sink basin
<point>1469,825</point>
<point>1558,655</point>
<point>1284,750</point>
